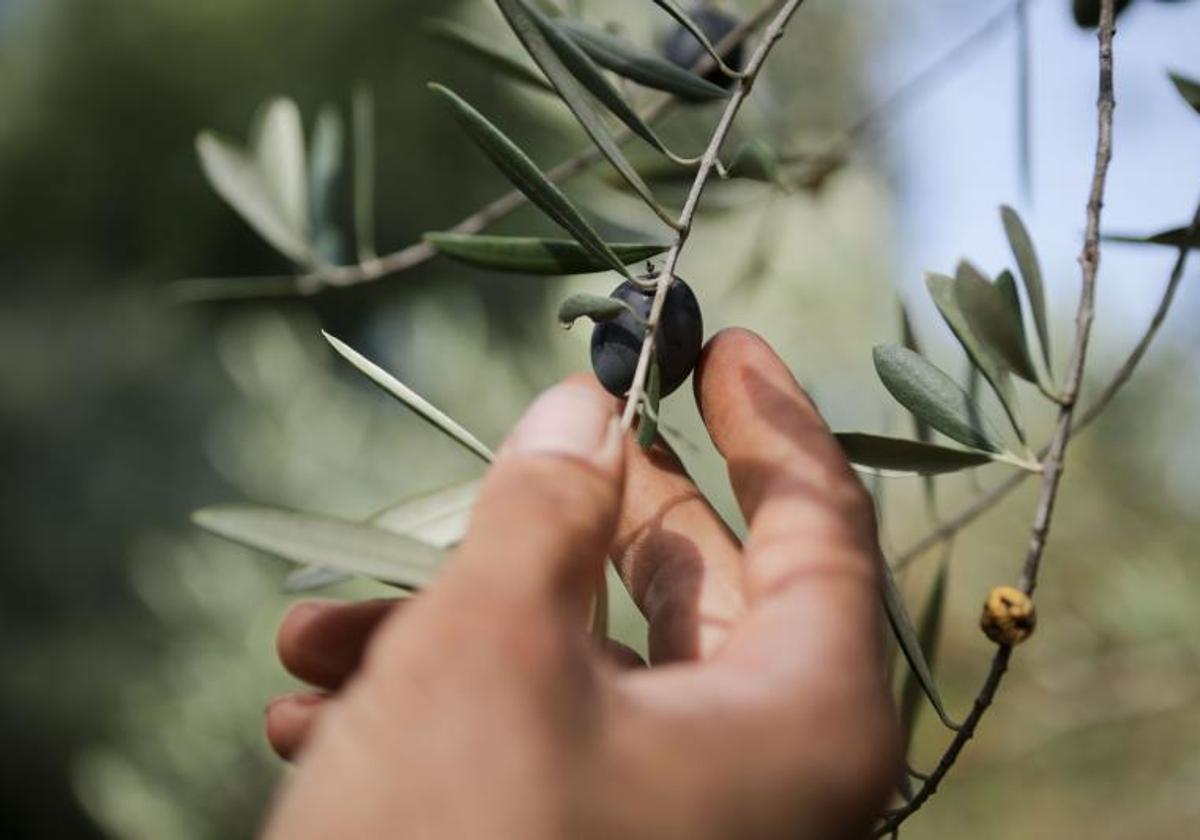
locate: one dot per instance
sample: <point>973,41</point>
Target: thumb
<point>548,508</point>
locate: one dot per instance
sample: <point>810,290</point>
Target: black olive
<point>616,344</point>
<point>1087,12</point>
<point>682,48</point>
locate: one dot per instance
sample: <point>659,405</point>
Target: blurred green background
<point>137,653</point>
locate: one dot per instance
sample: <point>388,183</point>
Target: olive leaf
<point>324,541</point>
<point>910,646</point>
<point>364,174</point>
<point>278,142</point>
<point>683,19</point>
<point>1031,275</point>
<point>648,424</point>
<point>1175,238</point>
<point>438,519</point>
<point>929,630</point>
<point>533,30</point>
<point>908,338</point>
<point>235,176</point>
<point>480,47</point>
<point>756,161</point>
<point>310,578</point>
<point>1189,89</point>
<point>533,255</point>
<point>325,164</point>
<point>598,308</point>
<point>896,456</point>
<point>926,391</point>
<point>995,318</point>
<point>644,68</point>
<point>942,290</point>
<point>585,71</point>
<point>424,409</point>
<point>525,176</point>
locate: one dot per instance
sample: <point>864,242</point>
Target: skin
<point>482,708</point>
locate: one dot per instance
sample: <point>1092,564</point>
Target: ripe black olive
<point>682,48</point>
<point>1087,12</point>
<point>616,344</point>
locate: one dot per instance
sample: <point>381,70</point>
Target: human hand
<point>482,708</point>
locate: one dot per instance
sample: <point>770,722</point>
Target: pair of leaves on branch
<point>288,193</point>
<point>987,319</point>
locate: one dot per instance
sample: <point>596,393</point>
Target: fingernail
<point>569,420</point>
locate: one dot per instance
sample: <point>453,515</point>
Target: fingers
<point>811,566</point>
<point>322,642</point>
<point>290,719</point>
<point>546,511</point>
<point>678,559</point>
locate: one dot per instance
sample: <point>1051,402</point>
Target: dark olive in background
<point>1087,12</point>
<point>682,48</point>
<point>616,344</point>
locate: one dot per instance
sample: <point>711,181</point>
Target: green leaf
<point>1031,274</point>
<point>942,290</point>
<point>585,71</point>
<point>236,177</point>
<point>910,646</point>
<point>278,139</point>
<point>364,174</point>
<point>597,307</point>
<point>644,68</point>
<point>995,317</point>
<point>315,540</point>
<point>325,163</point>
<point>532,255</point>
<point>928,392</point>
<point>310,578</point>
<point>439,518</point>
<point>895,456</point>
<point>929,630</point>
<point>1189,89</point>
<point>424,409</point>
<point>908,338</point>
<point>756,161</point>
<point>479,46</point>
<point>648,424</point>
<point>1175,238</point>
<point>524,174</point>
<point>537,41</point>
<point>674,10</point>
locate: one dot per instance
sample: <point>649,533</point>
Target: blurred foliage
<point>138,654</point>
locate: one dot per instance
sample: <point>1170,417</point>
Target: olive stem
<point>708,163</point>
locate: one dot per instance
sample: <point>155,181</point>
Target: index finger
<point>812,559</point>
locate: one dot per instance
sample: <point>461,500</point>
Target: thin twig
<point>1054,461</point>
<point>742,88</point>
